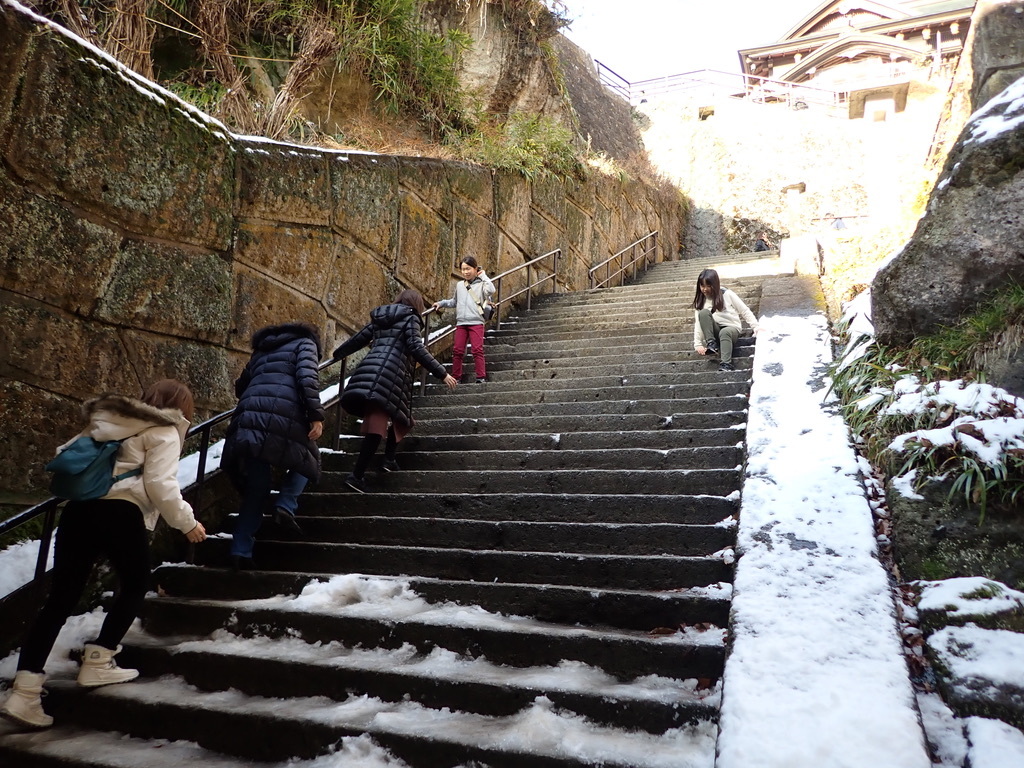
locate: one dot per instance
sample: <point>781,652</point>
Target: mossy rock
<point>938,537</point>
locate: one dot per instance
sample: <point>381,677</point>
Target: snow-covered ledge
<point>816,675</point>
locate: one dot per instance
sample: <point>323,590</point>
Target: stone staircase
<point>545,583</point>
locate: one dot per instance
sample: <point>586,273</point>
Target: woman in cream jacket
<point>116,527</point>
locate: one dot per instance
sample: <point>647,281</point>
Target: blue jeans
<point>258,483</point>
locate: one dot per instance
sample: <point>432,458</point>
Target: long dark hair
<point>709,277</point>
<point>471,260</point>
<point>411,298</point>
<point>170,393</point>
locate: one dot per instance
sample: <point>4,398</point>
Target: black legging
<point>89,530</point>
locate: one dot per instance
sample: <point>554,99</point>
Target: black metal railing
<point>645,249</point>
<point>47,510</point>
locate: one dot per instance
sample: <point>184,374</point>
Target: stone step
<point>656,284</point>
<point>665,440</point>
<point>715,386</point>
<point>707,374</point>
<point>622,366</point>
<point>425,413</point>
<point>287,669</point>
<point>636,327</point>
<point>562,604</point>
<point>170,710</point>
<point>630,422</point>
<point>515,536</point>
<point>657,301</point>
<point>635,359</point>
<point>68,747</point>
<point>643,572</point>
<point>539,507</point>
<point>705,457</point>
<point>637,316</point>
<point>719,482</point>
<point>586,344</point>
<point>510,640</point>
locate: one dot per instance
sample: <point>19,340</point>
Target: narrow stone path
<point>546,582</point>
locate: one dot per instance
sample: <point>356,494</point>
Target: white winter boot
<point>24,705</point>
<point>99,667</point>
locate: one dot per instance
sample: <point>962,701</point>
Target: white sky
<point>642,39</point>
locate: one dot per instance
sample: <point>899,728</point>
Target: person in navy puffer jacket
<point>276,424</point>
<point>380,388</point>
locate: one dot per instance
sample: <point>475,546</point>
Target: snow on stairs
<point>545,583</point>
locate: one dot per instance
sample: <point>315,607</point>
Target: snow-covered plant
<point>915,422</point>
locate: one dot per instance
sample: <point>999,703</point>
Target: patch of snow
<point>994,744</point>
<point>18,565</point>
<point>978,658</point>
<point>950,595</point>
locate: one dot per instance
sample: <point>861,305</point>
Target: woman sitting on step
<point>380,388</point>
<point>717,322</point>
<point>116,526</point>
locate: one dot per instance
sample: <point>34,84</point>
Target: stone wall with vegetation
<point>140,239</point>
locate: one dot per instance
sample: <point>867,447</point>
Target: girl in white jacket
<point>117,526</point>
<point>717,319</point>
<point>472,293</point>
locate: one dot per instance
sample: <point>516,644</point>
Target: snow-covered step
<point>643,610</point>
<point>290,667</point>
<point>682,652</point>
<point>304,727</point>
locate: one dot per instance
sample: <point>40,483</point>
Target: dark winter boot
<point>389,464</point>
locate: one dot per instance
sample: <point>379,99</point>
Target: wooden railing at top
<point>48,509</point>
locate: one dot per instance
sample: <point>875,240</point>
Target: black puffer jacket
<point>278,397</point>
<point>384,377</point>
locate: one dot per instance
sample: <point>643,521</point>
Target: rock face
<point>605,119</point>
<point>971,239</point>
<point>140,239</point>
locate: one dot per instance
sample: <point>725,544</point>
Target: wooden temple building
<point>867,51</point>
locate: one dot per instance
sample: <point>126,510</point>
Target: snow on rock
<point>968,596</point>
<point>994,744</point>
<point>981,662</point>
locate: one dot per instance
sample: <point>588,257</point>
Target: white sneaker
<point>99,668</point>
<point>24,706</point>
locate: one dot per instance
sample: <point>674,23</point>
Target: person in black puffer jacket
<point>380,388</point>
<point>277,421</point>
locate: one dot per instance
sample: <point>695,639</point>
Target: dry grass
<point>320,44</point>
<point>129,37</point>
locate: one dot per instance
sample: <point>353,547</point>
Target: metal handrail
<point>499,299</point>
<point>648,245</point>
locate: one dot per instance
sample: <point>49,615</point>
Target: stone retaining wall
<point>140,239</point>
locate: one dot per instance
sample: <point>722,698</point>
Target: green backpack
<point>85,469</point>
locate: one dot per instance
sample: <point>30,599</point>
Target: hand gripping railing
<point>645,249</point>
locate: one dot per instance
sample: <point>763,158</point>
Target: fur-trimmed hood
<point>273,336</point>
<point>115,417</point>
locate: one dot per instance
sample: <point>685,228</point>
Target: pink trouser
<point>474,335</point>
